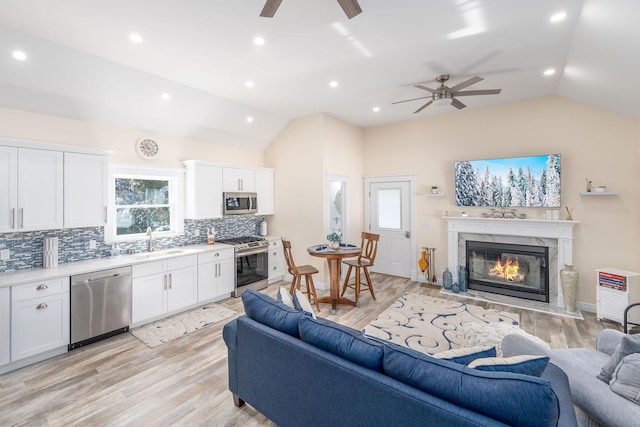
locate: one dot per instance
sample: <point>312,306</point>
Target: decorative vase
<point>447,279</point>
<point>334,245</point>
<point>569,282</point>
<point>462,278</point>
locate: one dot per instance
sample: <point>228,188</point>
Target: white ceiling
<point>81,63</point>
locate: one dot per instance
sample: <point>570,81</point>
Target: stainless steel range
<point>252,262</point>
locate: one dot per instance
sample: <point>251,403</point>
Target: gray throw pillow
<point>626,378</point>
<point>630,344</point>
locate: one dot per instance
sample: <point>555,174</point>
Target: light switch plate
<point>4,254</point>
<point>197,232</point>
<point>92,244</point>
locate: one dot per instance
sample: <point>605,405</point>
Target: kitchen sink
<point>169,252</point>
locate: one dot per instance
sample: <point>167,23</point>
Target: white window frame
<point>176,200</point>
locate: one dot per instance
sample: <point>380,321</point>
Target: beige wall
<point>593,143</point>
<point>43,128</point>
<point>304,152</point>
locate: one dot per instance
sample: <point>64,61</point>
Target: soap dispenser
<point>211,236</point>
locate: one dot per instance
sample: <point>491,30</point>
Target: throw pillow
<point>341,341</point>
<point>302,303</point>
<point>527,365</point>
<point>264,309</point>
<point>491,334</point>
<point>285,297</point>
<point>466,355</point>
<point>630,344</point>
<point>626,378</point>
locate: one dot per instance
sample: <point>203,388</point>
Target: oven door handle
<point>258,251</point>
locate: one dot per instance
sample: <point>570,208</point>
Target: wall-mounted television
<point>531,181</point>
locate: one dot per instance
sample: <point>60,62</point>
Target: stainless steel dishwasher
<point>100,305</point>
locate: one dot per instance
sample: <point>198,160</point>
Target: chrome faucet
<point>151,245</point>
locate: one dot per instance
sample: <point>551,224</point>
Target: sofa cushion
<point>264,309</point>
<point>510,398</point>
<point>342,341</point>
<point>301,302</point>
<point>630,344</point>
<point>626,378</point>
<point>527,365</point>
<point>285,297</point>
<point>466,355</point>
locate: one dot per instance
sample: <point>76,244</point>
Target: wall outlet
<point>92,244</point>
<point>4,255</point>
<point>197,232</point>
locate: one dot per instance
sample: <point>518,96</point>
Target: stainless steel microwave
<point>240,203</point>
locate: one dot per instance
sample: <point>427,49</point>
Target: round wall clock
<point>147,148</point>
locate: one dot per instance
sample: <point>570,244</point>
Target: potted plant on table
<point>334,240</point>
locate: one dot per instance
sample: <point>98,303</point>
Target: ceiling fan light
<point>441,101</point>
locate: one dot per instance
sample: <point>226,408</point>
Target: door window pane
<point>390,208</point>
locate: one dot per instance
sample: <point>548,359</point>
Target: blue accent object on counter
<point>447,279</point>
<point>463,278</point>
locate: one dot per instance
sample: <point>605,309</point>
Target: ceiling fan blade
<point>472,80</point>
<point>428,89</point>
<point>423,107</point>
<point>270,8</point>
<point>479,92</point>
<point>407,100</point>
<point>351,7</point>
<point>456,103</point>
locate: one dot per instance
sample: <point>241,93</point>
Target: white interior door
<point>390,217</point>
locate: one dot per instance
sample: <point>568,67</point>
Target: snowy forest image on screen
<point>532,181</point>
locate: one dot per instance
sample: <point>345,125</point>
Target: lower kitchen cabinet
<point>216,274</point>
<point>160,287</point>
<point>39,317</point>
<point>5,325</point>
<point>276,259</point>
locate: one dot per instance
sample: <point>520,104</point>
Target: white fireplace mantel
<point>558,230</point>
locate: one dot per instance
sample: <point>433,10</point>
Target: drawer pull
<point>42,288</point>
<point>274,254</point>
<point>41,306</point>
<point>217,254</point>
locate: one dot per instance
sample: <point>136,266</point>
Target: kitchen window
<point>142,198</point>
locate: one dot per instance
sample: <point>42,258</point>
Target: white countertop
<point>19,277</point>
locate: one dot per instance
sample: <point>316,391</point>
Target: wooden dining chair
<point>297,271</point>
<point>366,259</point>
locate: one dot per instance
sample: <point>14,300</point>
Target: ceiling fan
<point>351,8</point>
<point>445,95</point>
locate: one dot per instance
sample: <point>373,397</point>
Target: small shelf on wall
<point>598,193</point>
<point>433,194</point>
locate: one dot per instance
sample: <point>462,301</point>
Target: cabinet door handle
<point>170,281</point>
<point>41,306</point>
<point>42,287</point>
<point>13,218</point>
<point>21,217</point>
<point>164,282</point>
<point>105,215</point>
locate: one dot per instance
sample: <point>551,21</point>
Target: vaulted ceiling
<point>201,54</point>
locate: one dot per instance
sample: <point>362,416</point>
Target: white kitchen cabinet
<point>264,188</point>
<point>31,191</point>
<point>5,326</point>
<point>276,260</point>
<point>616,289</point>
<point>39,317</point>
<point>238,179</point>
<point>216,274</point>
<point>85,190</point>
<point>203,190</point>
<point>161,287</point>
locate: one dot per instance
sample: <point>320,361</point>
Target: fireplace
<point>509,269</point>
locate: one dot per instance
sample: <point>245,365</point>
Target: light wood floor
<point>120,381</point>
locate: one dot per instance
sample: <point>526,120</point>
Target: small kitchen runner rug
<point>431,325</point>
<point>165,330</point>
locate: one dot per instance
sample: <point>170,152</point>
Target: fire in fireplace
<point>509,269</point>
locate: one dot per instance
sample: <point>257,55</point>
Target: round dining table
<point>334,258</point>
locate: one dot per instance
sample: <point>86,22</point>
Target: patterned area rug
<point>431,325</point>
<point>165,330</point>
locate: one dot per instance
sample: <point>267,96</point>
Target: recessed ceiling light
<point>166,96</point>
<point>333,83</point>
<point>136,38</point>
<point>557,17</point>
<point>549,72</point>
<point>249,84</point>
<point>376,109</point>
<point>19,55</point>
<point>258,41</point>
<point>249,119</point>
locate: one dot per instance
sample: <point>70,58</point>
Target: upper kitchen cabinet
<point>203,190</point>
<point>85,190</point>
<point>31,189</point>
<point>238,179</point>
<point>264,188</point>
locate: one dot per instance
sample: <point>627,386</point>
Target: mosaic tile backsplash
<point>73,244</point>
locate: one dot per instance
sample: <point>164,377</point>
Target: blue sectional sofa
<point>299,371</point>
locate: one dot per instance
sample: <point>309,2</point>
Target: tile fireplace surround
<point>557,235</point>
